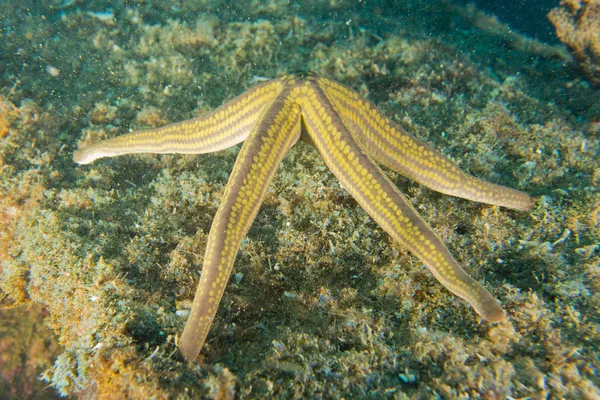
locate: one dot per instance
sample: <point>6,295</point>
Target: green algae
<point>322,303</point>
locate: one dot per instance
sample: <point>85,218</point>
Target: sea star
<point>351,134</point>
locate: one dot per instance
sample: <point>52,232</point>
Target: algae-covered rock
<point>322,303</point>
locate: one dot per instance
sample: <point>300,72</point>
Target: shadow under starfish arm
<point>348,132</point>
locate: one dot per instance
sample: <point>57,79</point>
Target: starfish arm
<point>393,147</point>
<point>373,190</point>
<point>224,127</point>
<point>278,128</point>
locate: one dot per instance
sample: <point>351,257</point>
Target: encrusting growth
<point>350,133</point>
<point>577,24</point>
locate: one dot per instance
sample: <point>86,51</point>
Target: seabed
<point>99,263</point>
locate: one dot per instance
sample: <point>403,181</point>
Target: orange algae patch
<point>27,347</point>
<point>9,213</point>
<point>7,113</point>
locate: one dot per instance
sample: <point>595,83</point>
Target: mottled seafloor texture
<point>322,302</point>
